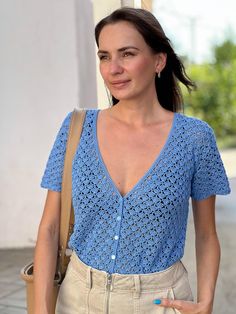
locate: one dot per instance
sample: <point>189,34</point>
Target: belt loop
<point>137,286</point>
<point>88,278</point>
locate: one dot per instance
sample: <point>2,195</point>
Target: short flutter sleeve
<point>52,178</point>
<point>209,176</point>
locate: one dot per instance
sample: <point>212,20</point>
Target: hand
<point>185,307</point>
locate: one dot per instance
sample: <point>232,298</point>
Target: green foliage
<point>225,53</point>
<point>214,101</point>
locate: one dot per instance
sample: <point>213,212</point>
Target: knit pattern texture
<point>143,231</point>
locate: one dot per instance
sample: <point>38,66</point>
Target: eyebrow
<point>120,49</point>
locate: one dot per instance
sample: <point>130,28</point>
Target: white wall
<point>41,61</point>
<point>48,66</point>
<point>86,57</point>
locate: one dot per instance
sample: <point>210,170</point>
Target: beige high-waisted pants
<point>86,290</point>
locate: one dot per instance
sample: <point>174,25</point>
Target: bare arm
<point>207,250</point>
<point>208,258</point>
<point>46,252</point>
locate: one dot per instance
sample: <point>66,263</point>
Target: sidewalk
<point>12,288</point>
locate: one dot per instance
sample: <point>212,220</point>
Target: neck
<point>140,113</point>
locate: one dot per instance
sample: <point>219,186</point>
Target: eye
<point>127,54</point>
<point>103,57</point>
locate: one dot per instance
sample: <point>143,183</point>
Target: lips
<point>120,83</point>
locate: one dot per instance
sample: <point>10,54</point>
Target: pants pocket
<point>72,295</point>
<point>146,305</point>
<point>182,290</point>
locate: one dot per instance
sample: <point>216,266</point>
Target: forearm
<point>44,268</point>
<point>208,258</point>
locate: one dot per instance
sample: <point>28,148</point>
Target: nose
<point>115,67</point>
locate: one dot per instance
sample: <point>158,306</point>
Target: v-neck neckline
<point>141,179</point>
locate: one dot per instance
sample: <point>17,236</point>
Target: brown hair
<point>167,86</point>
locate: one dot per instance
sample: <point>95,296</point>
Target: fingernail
<point>158,301</point>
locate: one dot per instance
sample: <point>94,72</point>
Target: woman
<point>136,167</point>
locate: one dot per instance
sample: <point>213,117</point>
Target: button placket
<point>116,233</point>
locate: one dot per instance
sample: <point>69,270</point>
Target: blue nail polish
<point>158,301</point>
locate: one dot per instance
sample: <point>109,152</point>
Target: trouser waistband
<point>134,282</point>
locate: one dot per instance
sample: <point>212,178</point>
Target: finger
<point>177,304</point>
<point>186,306</point>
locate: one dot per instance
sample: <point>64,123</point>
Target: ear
<point>161,58</point>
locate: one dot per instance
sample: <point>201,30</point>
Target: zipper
<point>109,289</point>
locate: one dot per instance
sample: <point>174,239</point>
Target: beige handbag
<point>66,219</point>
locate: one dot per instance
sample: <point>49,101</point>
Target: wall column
<point>144,4</point>
<point>100,10</point>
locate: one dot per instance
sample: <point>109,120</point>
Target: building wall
<point>43,71</point>
<point>48,66</point>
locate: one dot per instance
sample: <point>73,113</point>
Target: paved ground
<point>12,290</point>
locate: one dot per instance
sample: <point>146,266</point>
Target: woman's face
<point>127,64</point>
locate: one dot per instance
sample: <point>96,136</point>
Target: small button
<point>116,237</point>
<point>118,218</point>
<point>113,257</point>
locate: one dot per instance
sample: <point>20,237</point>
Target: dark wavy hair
<point>167,86</point>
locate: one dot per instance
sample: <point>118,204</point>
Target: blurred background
<point>203,33</point>
<point>48,66</point>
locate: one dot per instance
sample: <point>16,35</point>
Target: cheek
<point>143,67</point>
<point>103,71</point>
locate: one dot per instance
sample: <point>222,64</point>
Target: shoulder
<point>68,116</point>
<point>195,128</point>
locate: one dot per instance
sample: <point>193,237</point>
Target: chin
<point>124,96</point>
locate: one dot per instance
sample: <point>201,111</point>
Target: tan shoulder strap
<point>67,212</point>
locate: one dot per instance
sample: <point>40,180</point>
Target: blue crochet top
<point>144,231</point>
